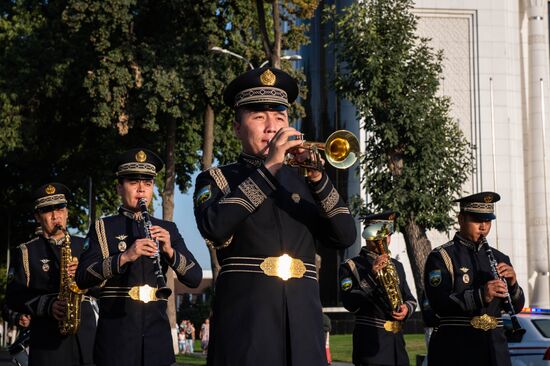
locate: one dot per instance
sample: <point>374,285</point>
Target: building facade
<point>496,73</point>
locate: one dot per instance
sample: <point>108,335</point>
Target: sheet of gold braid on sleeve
<point>449,265</point>
<point>102,238</point>
<point>26,267</point>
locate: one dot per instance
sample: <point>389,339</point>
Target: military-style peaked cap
<point>261,89</point>
<point>480,205</point>
<point>50,196</point>
<point>376,224</point>
<point>138,163</point>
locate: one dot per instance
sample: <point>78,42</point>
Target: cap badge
<point>141,156</point>
<point>50,189</point>
<point>391,217</point>
<point>268,78</point>
<point>488,199</point>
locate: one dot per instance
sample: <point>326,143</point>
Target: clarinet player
<point>133,328</point>
<point>34,284</point>
<point>464,293</point>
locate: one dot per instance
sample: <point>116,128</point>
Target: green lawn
<point>340,348</point>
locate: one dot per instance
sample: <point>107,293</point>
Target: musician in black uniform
<point>34,281</point>
<point>378,334</point>
<point>133,327</point>
<point>253,212</point>
<point>465,295</point>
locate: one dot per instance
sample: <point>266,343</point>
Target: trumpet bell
<point>342,149</point>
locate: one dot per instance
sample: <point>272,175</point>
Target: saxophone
<point>387,276</point>
<point>68,290</point>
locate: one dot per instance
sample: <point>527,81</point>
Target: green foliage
<point>416,158</point>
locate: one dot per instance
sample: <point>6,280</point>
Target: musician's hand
<point>59,309</point>
<point>495,288</point>
<point>401,314</point>
<point>163,237</point>
<point>302,155</point>
<point>507,271</point>
<point>140,247</point>
<point>71,266</point>
<point>24,320</point>
<point>279,146</point>
<point>380,262</point>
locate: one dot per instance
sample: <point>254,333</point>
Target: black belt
<point>393,326</point>
<point>484,322</point>
<point>284,267</point>
<point>144,293</point>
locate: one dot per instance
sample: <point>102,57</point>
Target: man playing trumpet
<point>264,218</point>
<point>34,283</point>
<point>379,311</point>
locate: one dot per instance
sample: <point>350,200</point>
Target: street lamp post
<point>285,57</point>
<point>227,52</point>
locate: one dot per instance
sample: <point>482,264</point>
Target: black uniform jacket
<point>363,295</point>
<point>248,215</point>
<point>131,332</point>
<point>454,280</point>
<point>32,288</point>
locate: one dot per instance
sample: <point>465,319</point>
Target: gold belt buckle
<point>393,326</point>
<point>284,267</point>
<point>143,293</point>
<point>484,322</point>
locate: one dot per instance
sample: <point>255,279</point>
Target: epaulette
<point>446,245</point>
<point>218,176</point>
<point>28,242</point>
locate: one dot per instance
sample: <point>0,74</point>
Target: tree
<point>416,157</point>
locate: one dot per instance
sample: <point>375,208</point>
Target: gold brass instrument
<point>387,276</point>
<point>341,151</point>
<point>68,290</point>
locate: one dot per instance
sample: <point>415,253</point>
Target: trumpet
<point>341,151</point>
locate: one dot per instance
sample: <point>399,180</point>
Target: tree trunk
<point>168,214</point>
<point>418,248</point>
<point>206,163</point>
<point>277,36</point>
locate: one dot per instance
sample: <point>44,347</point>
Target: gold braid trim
<point>102,238</point>
<point>449,264</point>
<point>220,180</point>
<point>181,265</point>
<point>331,200</point>
<point>26,266</point>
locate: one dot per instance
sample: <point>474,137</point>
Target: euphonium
<point>387,276</point>
<point>68,290</point>
<point>341,151</point>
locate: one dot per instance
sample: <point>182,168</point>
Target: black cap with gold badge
<point>138,163</point>
<point>377,225</point>
<point>266,88</point>
<point>480,206</point>
<point>50,196</point>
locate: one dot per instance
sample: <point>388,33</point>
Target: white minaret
<point>537,211</point>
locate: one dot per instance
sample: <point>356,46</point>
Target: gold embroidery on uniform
<point>210,244</point>
<point>338,210</point>
<point>331,200</point>
<point>449,264</point>
<point>26,266</point>
<point>94,273</point>
<point>107,273</point>
<point>220,180</point>
<point>181,266</point>
<point>237,201</point>
<point>252,192</point>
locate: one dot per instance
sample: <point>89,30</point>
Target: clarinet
<point>162,292</point>
<point>516,328</point>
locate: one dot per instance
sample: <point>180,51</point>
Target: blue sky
<point>185,220</point>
